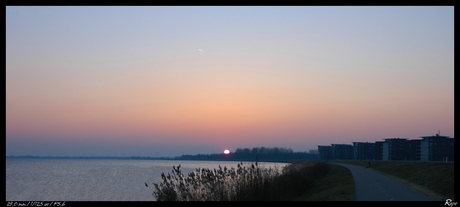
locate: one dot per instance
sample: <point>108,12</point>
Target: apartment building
<point>342,152</point>
<point>429,148</point>
<point>437,148</point>
<point>325,152</point>
<point>364,151</point>
<point>395,149</point>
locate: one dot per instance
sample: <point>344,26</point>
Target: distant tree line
<point>245,154</point>
<point>263,150</point>
<point>256,154</point>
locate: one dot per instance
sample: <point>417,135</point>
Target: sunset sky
<point>167,81</point>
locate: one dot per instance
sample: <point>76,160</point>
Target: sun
<point>226,151</point>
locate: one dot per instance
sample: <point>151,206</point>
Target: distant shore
<point>88,157</point>
<point>141,158</point>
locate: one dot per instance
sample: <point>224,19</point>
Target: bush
<point>241,184</point>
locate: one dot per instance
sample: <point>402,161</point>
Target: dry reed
<point>245,183</point>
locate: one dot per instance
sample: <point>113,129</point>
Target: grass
<point>336,185</point>
<point>435,179</point>
<point>250,183</point>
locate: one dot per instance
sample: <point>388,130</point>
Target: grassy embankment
<point>336,185</point>
<point>434,179</point>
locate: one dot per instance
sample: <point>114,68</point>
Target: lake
<point>94,179</point>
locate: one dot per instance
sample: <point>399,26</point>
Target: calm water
<point>93,180</point>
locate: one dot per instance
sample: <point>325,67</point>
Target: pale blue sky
<point>261,76</point>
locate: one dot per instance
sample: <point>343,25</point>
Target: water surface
<point>93,180</point>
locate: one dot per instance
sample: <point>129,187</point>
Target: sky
<point>167,81</point>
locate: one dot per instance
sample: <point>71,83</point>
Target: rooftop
<point>435,136</point>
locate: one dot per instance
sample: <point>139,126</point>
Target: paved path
<point>373,186</point>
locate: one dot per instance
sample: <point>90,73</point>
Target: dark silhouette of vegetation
<point>246,154</point>
<point>245,183</point>
<point>255,154</point>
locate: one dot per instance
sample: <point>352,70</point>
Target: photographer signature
<point>450,203</point>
